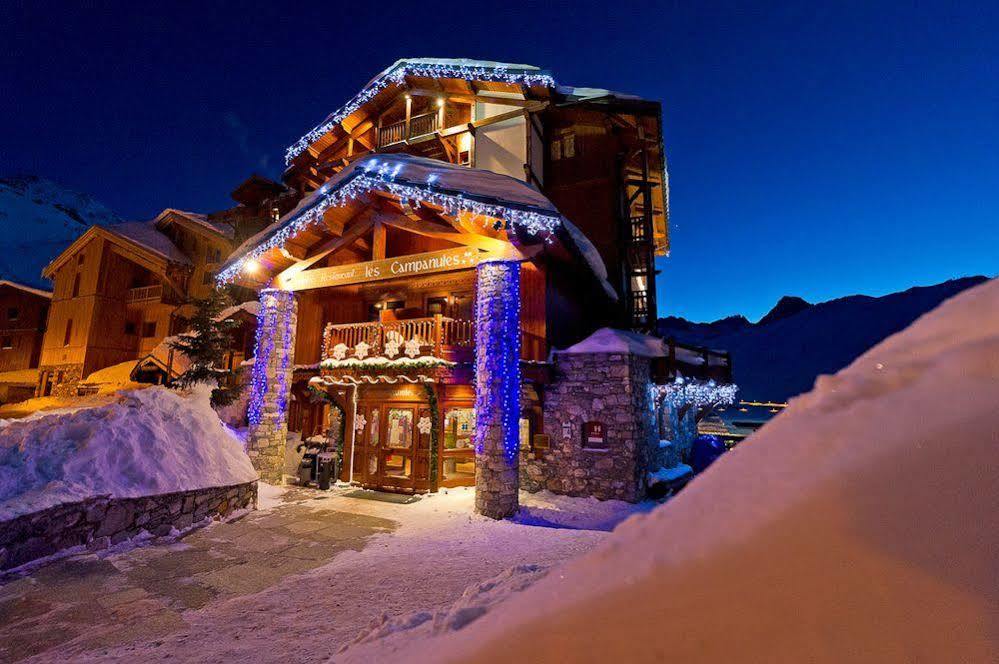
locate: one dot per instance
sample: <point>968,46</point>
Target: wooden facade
<point>119,291</point>
<point>23,314</point>
<point>597,156</point>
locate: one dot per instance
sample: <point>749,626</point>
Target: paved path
<point>90,602</point>
<point>295,583</point>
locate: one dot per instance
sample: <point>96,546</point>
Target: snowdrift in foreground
<point>858,526</point>
<point>147,442</point>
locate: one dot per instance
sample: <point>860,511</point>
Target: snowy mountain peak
<point>42,218</point>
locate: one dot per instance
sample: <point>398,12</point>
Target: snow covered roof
<point>26,288</point>
<point>592,93</point>
<point>225,230</point>
<point>611,340</point>
<point>458,68</point>
<point>419,179</point>
<point>146,234</point>
<point>19,377</point>
<point>251,307</point>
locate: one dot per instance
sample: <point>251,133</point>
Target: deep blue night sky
<point>813,151</point>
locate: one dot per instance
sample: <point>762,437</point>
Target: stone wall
<point>612,389</point>
<point>270,383</point>
<point>103,521</point>
<point>66,384</point>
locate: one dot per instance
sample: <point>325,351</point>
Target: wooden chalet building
<point>23,313</point>
<point>460,220</point>
<point>119,290</point>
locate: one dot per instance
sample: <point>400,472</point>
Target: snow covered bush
<point>146,442</point>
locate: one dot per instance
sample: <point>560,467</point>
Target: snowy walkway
<point>293,583</point>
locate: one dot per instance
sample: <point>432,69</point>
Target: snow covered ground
<point>144,442</point>
<point>857,526</point>
<point>295,582</point>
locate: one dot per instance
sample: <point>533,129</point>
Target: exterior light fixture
<point>251,266</point>
<point>440,101</point>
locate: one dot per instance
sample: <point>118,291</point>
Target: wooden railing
<point>692,362</point>
<point>439,336</point>
<point>419,125</point>
<point>393,133</point>
<point>153,292</point>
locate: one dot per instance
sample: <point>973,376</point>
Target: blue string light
<point>497,357</point>
<point>397,76</point>
<point>276,310</point>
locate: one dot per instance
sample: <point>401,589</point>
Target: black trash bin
<point>327,470</point>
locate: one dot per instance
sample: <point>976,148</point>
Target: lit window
<point>569,145</point>
<point>400,428</point>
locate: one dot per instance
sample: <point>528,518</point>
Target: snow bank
<point>858,525</point>
<point>146,442</point>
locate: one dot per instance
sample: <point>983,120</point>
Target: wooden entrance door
<point>391,449</point>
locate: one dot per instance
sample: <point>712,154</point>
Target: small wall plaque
<point>594,435</point>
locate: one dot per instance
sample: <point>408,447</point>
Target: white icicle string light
<point>397,76</point>
<point>380,176</point>
<point>682,392</point>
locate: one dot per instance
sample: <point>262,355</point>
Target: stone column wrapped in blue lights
<point>497,388</point>
<point>270,384</point>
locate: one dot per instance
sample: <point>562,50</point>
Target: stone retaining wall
<point>103,521</point>
<point>609,388</point>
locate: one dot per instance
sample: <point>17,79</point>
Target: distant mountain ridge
<point>41,218</point>
<point>781,355</point>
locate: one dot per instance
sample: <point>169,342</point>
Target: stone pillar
<point>497,388</point>
<point>270,384</point>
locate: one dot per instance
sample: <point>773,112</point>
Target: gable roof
<point>412,177</point>
<point>28,289</point>
<point>437,68</point>
<point>147,235</point>
<point>136,235</point>
<point>198,221</point>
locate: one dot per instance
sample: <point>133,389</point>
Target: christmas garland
<point>319,395</point>
<point>435,427</point>
<point>400,364</point>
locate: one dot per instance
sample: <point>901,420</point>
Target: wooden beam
<point>378,241</point>
<point>427,229</point>
<point>361,226</point>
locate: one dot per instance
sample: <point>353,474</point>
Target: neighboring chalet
<point>461,221</point>
<point>23,313</point>
<point>119,290</point>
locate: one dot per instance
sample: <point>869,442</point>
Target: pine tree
<point>205,345</point>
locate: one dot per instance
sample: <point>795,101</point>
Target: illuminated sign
<point>447,260</point>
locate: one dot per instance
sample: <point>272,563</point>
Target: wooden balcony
<point>438,336</point>
<point>419,125</point>
<point>145,293</point>
<point>447,338</point>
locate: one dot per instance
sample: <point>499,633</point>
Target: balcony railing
<point>419,125</point>
<point>154,292</point>
<point>440,336</point>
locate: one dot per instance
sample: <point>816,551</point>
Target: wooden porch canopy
<point>470,215</point>
<point>449,77</point>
